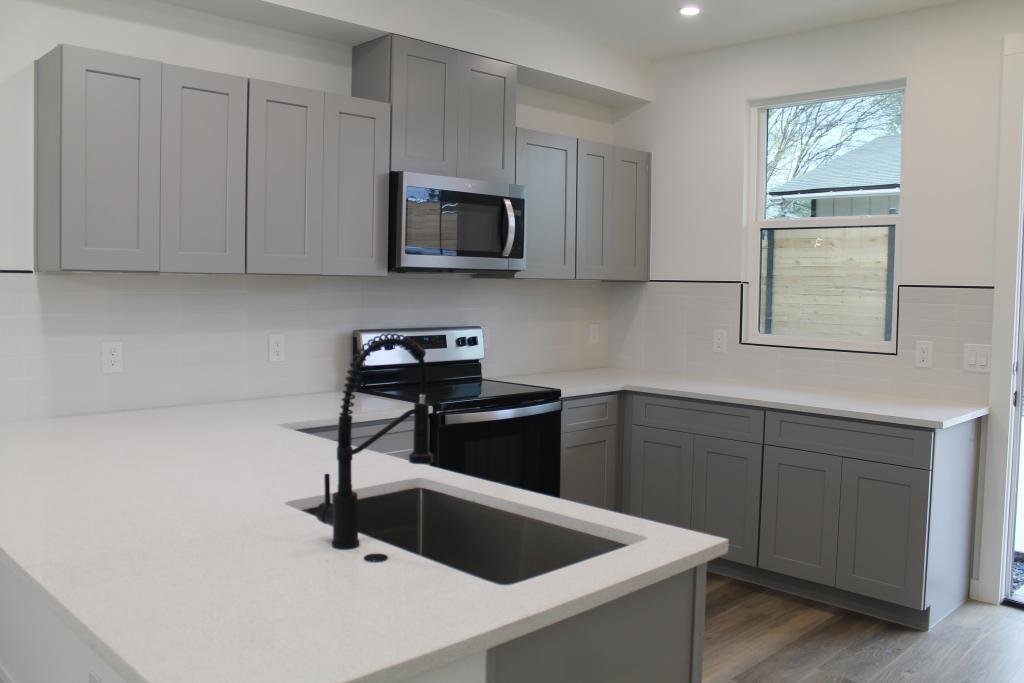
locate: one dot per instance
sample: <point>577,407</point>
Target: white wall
<point>697,128</point>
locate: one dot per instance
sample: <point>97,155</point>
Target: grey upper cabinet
<point>424,106</point>
<point>452,113</point>
<point>593,214</point>
<point>203,167</point>
<point>355,218</point>
<point>631,215</point>
<point>546,164</point>
<point>727,494</point>
<point>800,514</point>
<point>883,532</point>
<point>97,161</point>
<point>661,475</point>
<point>487,119</point>
<point>614,213</point>
<point>589,466</point>
<point>285,182</point>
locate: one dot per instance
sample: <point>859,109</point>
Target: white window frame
<point>756,222</point>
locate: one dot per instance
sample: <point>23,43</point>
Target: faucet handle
<point>325,507</point>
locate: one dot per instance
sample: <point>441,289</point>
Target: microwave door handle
<point>510,235</point>
<point>505,414</point>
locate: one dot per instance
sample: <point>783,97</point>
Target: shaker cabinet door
<point>594,211</point>
<point>285,208</point>
<point>661,476</point>
<point>800,514</point>
<point>356,135</point>
<point>546,164</point>
<point>590,466</point>
<point>424,107</point>
<point>109,161</point>
<point>487,115</point>
<point>629,243</point>
<point>883,532</point>
<point>202,197</point>
<point>727,494</point>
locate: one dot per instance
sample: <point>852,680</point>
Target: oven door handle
<point>510,236</point>
<point>505,414</point>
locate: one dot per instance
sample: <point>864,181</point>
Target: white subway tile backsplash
<point>196,338</point>
<point>642,316</point>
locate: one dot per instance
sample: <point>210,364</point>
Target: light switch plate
<point>595,333</point>
<point>977,357</point>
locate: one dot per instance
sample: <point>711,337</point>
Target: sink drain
<point>376,557</point>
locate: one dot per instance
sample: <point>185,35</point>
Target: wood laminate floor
<point>754,634</point>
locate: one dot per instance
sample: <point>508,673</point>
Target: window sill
<point>886,348</point>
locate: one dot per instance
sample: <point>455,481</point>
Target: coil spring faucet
<point>346,525</point>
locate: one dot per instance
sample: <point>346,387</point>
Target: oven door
<point>456,224</point>
<point>516,446</point>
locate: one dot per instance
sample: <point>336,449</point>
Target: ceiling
<point>653,29</point>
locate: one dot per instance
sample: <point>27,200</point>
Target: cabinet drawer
<point>589,412</point>
<point>699,417</point>
<point>895,445</point>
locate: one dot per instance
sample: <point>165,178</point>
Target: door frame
<point>1003,425</point>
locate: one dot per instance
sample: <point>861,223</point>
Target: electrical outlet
<point>111,357</point>
<point>719,342</point>
<point>923,354</point>
<point>275,348</point>
<point>977,357</point>
<point>595,333</point>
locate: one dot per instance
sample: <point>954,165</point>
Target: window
<point>826,221</point>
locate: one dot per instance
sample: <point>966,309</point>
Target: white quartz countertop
<point>915,412</point>
<point>164,539</point>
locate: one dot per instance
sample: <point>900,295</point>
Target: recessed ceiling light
<point>689,10</point>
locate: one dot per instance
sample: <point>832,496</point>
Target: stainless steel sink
<point>489,543</point>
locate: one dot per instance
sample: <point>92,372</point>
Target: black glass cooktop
<point>483,393</point>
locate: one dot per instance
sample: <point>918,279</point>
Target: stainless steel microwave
<point>443,223</point>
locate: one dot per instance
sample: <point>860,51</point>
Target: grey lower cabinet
<point>589,466</point>
<point>97,161</point>
<point>355,215</point>
<point>800,514</point>
<point>452,113</point>
<point>285,209</point>
<point>661,475</point>
<point>546,164</point>
<point>727,494</point>
<point>203,168</point>
<point>883,532</point>
<point>613,213</point>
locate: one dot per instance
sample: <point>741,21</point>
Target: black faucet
<point>345,521</point>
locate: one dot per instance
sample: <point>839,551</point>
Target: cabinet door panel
<point>487,112</point>
<point>589,466</point>
<point>202,199</point>
<point>593,216</point>
<point>424,107</point>
<point>631,223</point>
<point>356,135</point>
<point>546,164</point>
<point>285,209</point>
<point>110,147</point>
<point>661,476</point>
<point>882,532</point>
<point>800,514</point>
<point>727,494</point>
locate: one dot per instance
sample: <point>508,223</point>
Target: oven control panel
<point>442,344</point>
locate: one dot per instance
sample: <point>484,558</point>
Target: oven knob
<point>461,341</point>
<point>472,341</point>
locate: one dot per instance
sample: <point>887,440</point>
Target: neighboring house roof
<point>873,165</point>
